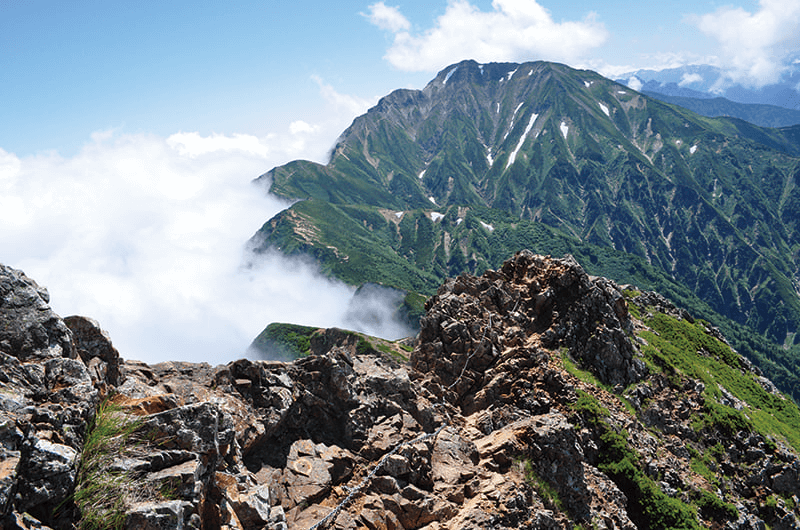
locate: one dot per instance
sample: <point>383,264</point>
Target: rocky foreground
<point>535,397</point>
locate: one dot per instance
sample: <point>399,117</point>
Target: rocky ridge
<point>536,397</point>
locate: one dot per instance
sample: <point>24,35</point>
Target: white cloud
<point>302,127</point>
<point>635,83</point>
<point>688,79</point>
<point>756,47</point>
<point>343,103</point>
<point>387,17</point>
<point>193,144</point>
<point>147,235</point>
<point>514,30</point>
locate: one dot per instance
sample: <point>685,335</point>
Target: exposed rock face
<point>46,401</point>
<point>30,329</point>
<point>483,429</point>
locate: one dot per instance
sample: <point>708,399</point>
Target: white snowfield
<point>521,140</point>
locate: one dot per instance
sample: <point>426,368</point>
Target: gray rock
<point>95,349</point>
<point>169,515</point>
<point>30,329</point>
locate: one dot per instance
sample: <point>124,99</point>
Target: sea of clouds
<point>148,235</point>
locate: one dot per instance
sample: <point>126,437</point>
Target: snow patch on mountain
<point>604,109</point>
<point>564,129</point>
<point>421,174</point>
<point>511,74</point>
<point>436,216</point>
<point>487,226</point>
<point>511,125</point>
<point>693,149</point>
<point>521,140</point>
<point>432,200</point>
<point>449,74</point>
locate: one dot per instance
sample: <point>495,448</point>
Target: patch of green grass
<point>100,493</point>
<point>394,354</point>
<point>588,377</point>
<point>680,348</point>
<point>714,508</point>
<point>589,408</point>
<point>542,487</point>
<point>700,465</point>
<point>650,508</point>
<point>280,340</point>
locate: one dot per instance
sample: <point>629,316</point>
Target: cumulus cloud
<point>514,30</point>
<point>756,47</point>
<point>147,235</point>
<point>688,79</point>
<point>635,83</point>
<point>387,18</point>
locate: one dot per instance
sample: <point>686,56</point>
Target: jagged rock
<point>94,347</point>
<point>278,446</point>
<point>168,515</point>
<point>30,330</point>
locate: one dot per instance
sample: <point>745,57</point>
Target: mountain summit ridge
<point>544,154</point>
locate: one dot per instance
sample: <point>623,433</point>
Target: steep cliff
<point>536,396</point>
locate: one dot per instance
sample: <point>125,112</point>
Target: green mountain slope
<point>489,159</point>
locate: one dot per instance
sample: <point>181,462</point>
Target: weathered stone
<point>49,475</point>
<point>270,445</point>
<point>31,330</point>
<point>94,348</point>
<point>169,515</point>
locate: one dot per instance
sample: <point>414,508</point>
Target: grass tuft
<point>101,492</point>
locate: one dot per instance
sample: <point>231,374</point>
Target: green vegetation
<point>584,375</point>
<point>542,487</point>
<point>713,508</point>
<point>394,354</point>
<point>683,349</point>
<point>702,210</point>
<point>589,408</point>
<point>648,506</point>
<point>284,341</point>
<point>101,494</point>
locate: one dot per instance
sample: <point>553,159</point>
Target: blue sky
<point>130,132</point>
<point>68,69</point>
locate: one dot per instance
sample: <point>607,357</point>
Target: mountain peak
<point>461,174</point>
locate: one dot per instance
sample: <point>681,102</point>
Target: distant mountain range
<point>489,159</point>
<point>706,90</point>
